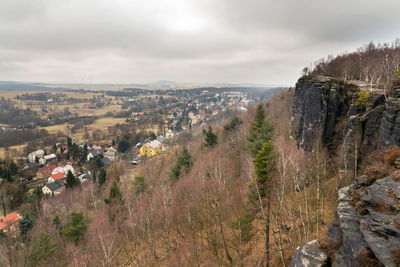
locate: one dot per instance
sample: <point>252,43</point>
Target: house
<point>111,154</point>
<point>50,157</point>
<point>170,134</point>
<point>152,148</point>
<point>35,154</point>
<point>8,223</point>
<point>45,171</point>
<point>94,153</point>
<point>63,169</point>
<point>55,177</point>
<point>54,188</point>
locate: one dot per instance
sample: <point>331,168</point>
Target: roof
<point>96,152</point>
<point>39,152</point>
<point>56,185</point>
<point>11,218</point>
<point>49,168</point>
<point>154,144</point>
<point>51,156</point>
<point>58,176</point>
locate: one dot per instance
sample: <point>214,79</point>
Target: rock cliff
<point>325,111</point>
<point>366,231</point>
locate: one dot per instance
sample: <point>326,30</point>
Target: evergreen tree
<point>260,196</point>
<point>75,228</point>
<point>71,180</point>
<point>210,139</point>
<point>140,185</point>
<point>184,162</point>
<point>13,168</point>
<point>102,176</point>
<point>43,249</point>
<point>25,225</point>
<point>94,178</point>
<point>69,142</point>
<point>235,122</point>
<point>261,131</point>
<point>115,193</point>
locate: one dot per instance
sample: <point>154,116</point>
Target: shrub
<point>362,98</point>
<point>367,258</point>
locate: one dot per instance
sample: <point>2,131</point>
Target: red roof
<point>57,176</point>
<point>46,169</point>
<point>9,220</point>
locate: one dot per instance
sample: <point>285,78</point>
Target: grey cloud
<point>186,40</point>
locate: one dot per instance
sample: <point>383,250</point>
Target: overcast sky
<point>126,41</point>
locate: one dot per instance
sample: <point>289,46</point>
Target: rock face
<point>367,221</point>
<point>325,111</point>
<point>317,105</point>
<point>309,254</point>
<point>389,133</point>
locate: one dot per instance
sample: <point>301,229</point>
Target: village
<point>152,122</point>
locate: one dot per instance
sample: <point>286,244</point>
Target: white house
<point>63,169</point>
<point>170,134</point>
<point>111,154</point>
<point>50,157</point>
<point>35,154</point>
<point>93,153</point>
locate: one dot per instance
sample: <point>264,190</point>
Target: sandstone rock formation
<point>367,225</point>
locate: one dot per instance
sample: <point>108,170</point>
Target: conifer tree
<point>13,168</point>
<point>261,131</point>
<point>71,180</point>
<point>184,162</point>
<point>210,139</point>
<point>260,196</point>
<point>102,177</point>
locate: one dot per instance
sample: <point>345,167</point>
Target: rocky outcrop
<point>318,104</point>
<point>389,133</point>
<point>367,226</point>
<point>309,254</point>
<point>325,112</point>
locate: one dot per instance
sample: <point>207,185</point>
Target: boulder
<point>310,255</point>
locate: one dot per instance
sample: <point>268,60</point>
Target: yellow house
<point>152,148</point>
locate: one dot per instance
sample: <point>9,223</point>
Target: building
<point>170,134</point>
<point>63,169</point>
<point>35,154</point>
<point>8,223</point>
<point>111,154</point>
<point>152,148</point>
<point>55,177</point>
<point>46,171</point>
<point>94,153</point>
<point>54,188</point>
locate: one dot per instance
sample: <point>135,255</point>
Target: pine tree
<point>94,178</point>
<point>210,139</point>
<point>71,180</point>
<point>261,131</point>
<point>115,193</point>
<point>75,228</point>
<point>235,122</point>
<point>102,177</point>
<point>25,225</point>
<point>13,168</point>
<point>140,185</point>
<point>184,162</point>
<point>260,196</point>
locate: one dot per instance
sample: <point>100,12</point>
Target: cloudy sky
<point>126,41</point>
